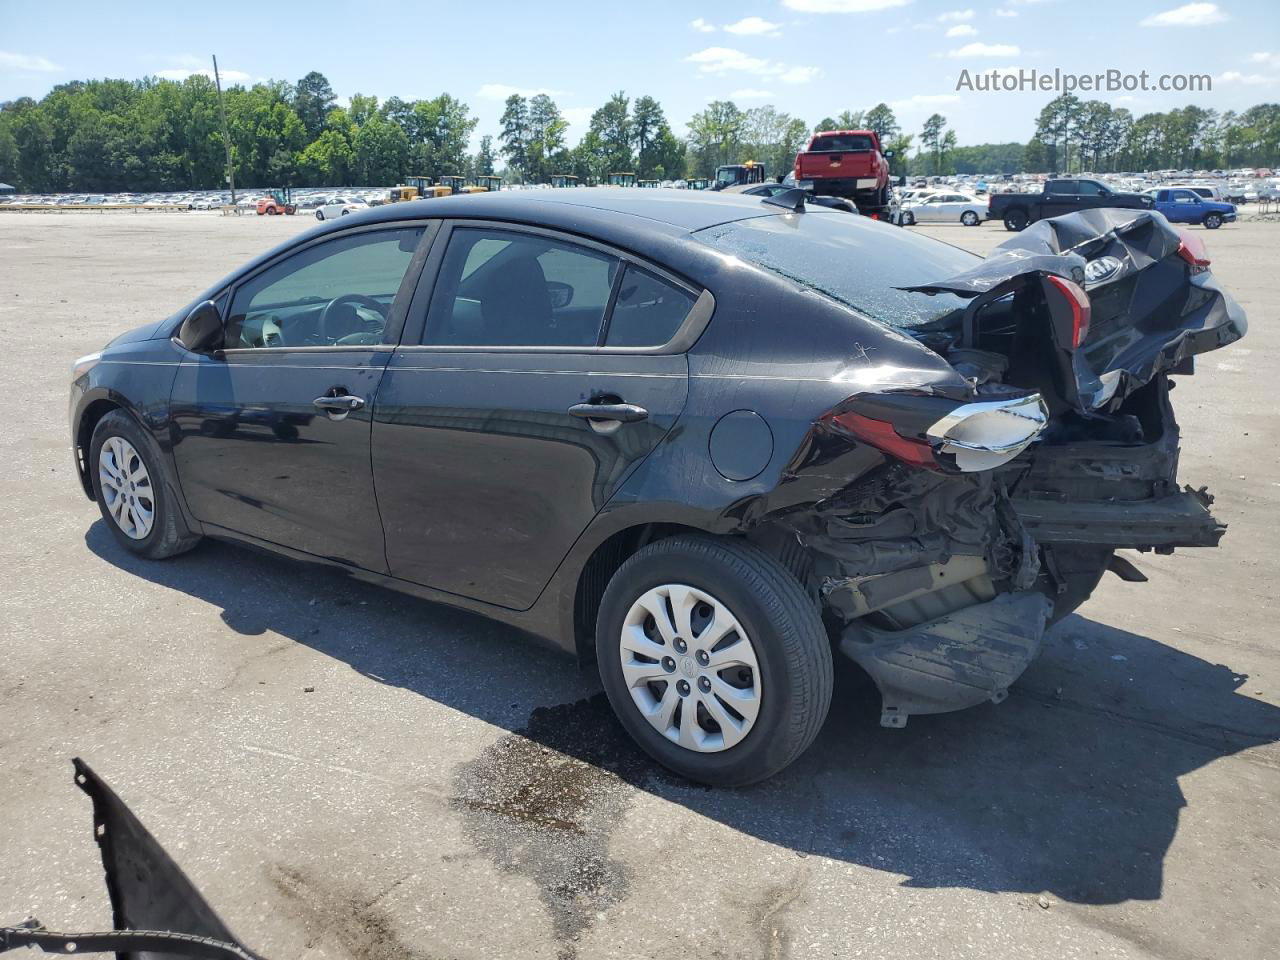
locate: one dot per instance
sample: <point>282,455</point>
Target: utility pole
<point>226,137</point>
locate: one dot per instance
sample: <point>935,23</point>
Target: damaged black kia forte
<point>705,441</point>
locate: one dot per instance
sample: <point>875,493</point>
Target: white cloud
<point>1188,15</point>
<point>955,16</point>
<point>722,59</point>
<point>1001,12</point>
<point>961,30</point>
<point>750,93</point>
<point>26,63</point>
<point>924,100</point>
<point>716,60</point>
<point>702,26</point>
<point>751,26</point>
<point>794,75</point>
<point>228,77</point>
<point>1248,79</point>
<point>1270,59</point>
<point>978,49</point>
<point>500,91</point>
<point>843,6</point>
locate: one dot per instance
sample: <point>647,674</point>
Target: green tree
<point>313,98</point>
<point>931,137</point>
<point>381,152</point>
<point>882,120</point>
<point>515,133</point>
<point>484,162</point>
<point>611,125</point>
<point>545,142</point>
<point>715,137</point>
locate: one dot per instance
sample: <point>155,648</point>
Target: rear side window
<point>648,311</point>
<point>500,288</point>
<point>1060,186</point>
<point>843,143</point>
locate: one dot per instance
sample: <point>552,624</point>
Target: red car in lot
<point>846,163</point>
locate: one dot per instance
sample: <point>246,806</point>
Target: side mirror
<point>560,294</point>
<point>888,154</point>
<point>202,330</point>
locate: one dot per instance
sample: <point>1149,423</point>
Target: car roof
<point>685,211</point>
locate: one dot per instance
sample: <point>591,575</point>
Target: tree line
<point>157,134</point>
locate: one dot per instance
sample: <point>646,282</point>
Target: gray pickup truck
<point>1067,195</point>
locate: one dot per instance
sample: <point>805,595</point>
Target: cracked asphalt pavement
<point>449,790</point>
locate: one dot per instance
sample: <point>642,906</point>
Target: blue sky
<point>811,58</point>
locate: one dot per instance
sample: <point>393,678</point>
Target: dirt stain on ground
<point>544,801</point>
<point>355,921</point>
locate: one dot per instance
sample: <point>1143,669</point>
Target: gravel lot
<point>450,790</point>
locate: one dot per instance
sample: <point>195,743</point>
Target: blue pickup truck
<point>1182,205</point>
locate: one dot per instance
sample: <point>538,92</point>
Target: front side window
<point>1090,189</point>
<point>500,288</point>
<point>336,293</point>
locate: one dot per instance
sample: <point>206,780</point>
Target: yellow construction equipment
<point>622,179</point>
<point>559,180</point>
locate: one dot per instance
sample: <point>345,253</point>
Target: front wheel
<point>908,218</point>
<point>319,214</point>
<point>133,494</point>
<point>1213,221</point>
<point>1016,220</point>
<point>969,218</point>
<point>714,659</point>
<point>272,211</point>
<point>345,212</point>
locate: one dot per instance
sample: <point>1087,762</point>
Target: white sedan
<point>340,207</point>
<point>945,207</point>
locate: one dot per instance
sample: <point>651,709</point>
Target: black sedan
<point>706,441</point>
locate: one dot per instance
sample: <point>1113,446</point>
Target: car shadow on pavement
<point>1070,786</point>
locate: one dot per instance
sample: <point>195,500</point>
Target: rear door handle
<point>338,407</point>
<point>621,412</point>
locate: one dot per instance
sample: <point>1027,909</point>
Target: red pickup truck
<point>846,163</point>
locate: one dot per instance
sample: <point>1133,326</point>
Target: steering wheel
<point>328,315</point>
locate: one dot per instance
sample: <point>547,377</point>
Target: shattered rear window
<point>852,260</point>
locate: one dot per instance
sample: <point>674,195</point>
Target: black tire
<point>319,214</point>
<point>1213,221</point>
<point>970,219</point>
<point>908,218</point>
<point>786,631</point>
<point>272,211</point>
<point>1016,220</point>
<point>345,212</point>
<point>169,534</point>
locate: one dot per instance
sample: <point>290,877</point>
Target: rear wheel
<point>714,659</point>
<point>1213,221</point>
<point>908,218</point>
<point>132,491</point>
<point>969,218</point>
<point>1016,220</point>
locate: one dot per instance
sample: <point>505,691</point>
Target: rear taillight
<point>970,437</point>
<point>882,435</point>
<point>1078,301</point>
<point>1192,250</point>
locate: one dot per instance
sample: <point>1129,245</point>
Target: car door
<point>1059,198</point>
<point>1188,206</point>
<point>488,460</point>
<point>271,432</point>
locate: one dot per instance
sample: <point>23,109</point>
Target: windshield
<point>852,260</point>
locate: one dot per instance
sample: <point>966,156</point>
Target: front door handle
<point>338,407</point>
<point>621,412</point>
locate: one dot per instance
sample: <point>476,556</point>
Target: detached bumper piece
<point>956,661</point>
<point>1180,520</point>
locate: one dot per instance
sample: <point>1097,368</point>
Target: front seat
<point>517,308</point>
